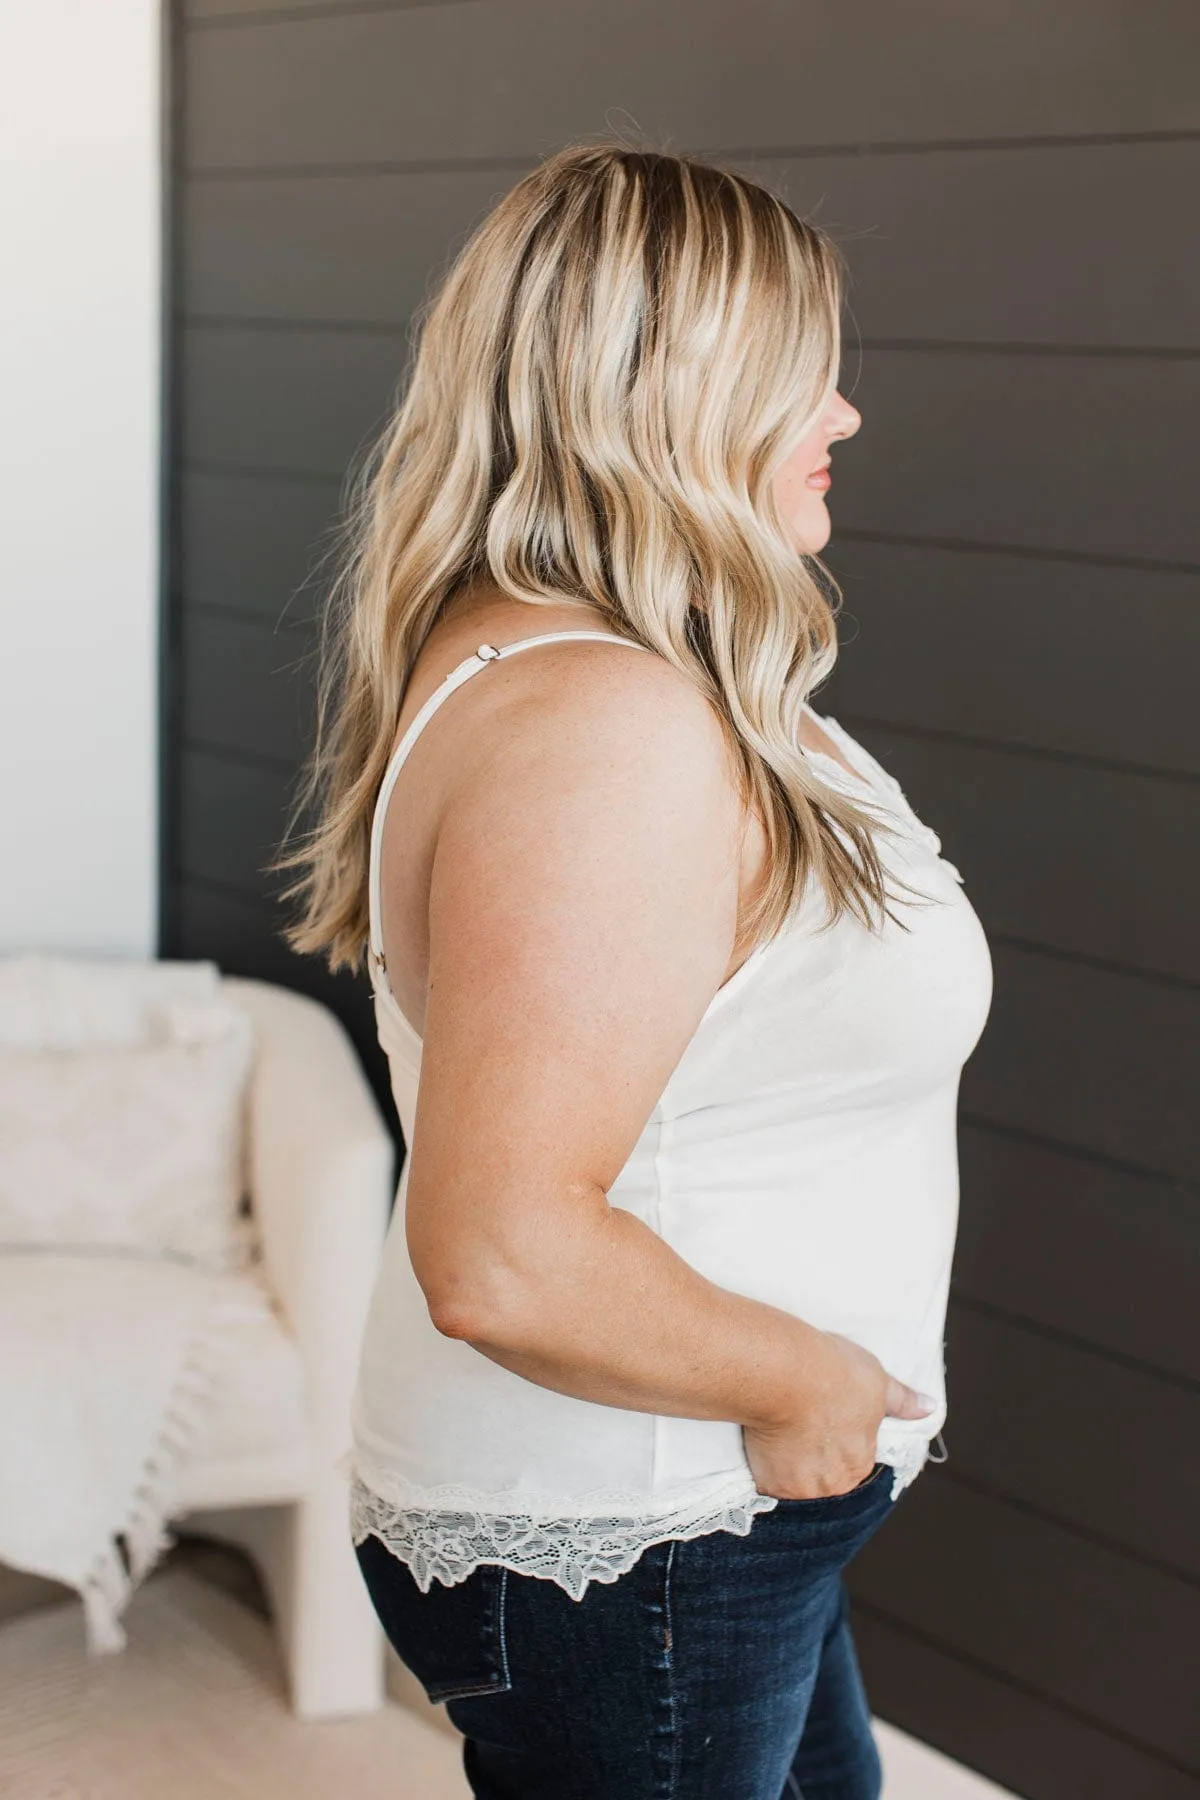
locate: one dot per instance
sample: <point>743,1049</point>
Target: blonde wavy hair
<point>601,390</point>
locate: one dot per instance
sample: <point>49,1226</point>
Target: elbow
<point>493,1312</point>
<point>507,1290</point>
<point>460,1316</point>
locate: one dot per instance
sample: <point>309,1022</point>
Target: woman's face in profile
<point>802,482</point>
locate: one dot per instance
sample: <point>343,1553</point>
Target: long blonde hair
<point>606,381</point>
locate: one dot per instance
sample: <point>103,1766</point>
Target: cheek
<point>790,490</point>
<point>802,510</point>
<point>793,497</point>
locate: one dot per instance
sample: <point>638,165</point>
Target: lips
<point>820,480</point>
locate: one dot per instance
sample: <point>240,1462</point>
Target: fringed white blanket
<point>106,1365</point>
<point>107,1357</point>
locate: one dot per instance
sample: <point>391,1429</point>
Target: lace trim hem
<point>444,1534</point>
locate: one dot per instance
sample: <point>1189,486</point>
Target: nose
<point>842,420</point>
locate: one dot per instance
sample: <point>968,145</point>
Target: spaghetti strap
<point>479,659</point>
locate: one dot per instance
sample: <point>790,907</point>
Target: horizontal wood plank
<point>1070,657</point>
<point>257,545</point>
<point>1009,246</point>
<point>1087,1057</point>
<point>1079,859</point>
<point>246,687</point>
<point>1097,1253</point>
<point>1084,1439</point>
<point>232,816</point>
<point>1069,1619</point>
<point>364,248</point>
<point>278,401</point>
<point>1021,1740</point>
<point>1023,449</point>
<point>517,79</point>
<point>213,14</point>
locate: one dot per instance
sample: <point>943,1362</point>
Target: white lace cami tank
<point>803,1153</point>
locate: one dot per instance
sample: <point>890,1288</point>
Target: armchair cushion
<point>254,1446</point>
<point>135,1147</point>
<point>68,1002</point>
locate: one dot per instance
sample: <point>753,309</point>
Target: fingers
<point>905,1403</point>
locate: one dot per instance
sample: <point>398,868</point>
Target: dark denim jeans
<point>717,1668</point>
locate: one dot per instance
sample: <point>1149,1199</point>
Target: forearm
<point>610,1313</point>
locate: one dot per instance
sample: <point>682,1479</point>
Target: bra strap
<point>479,659</point>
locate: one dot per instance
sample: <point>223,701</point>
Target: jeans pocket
<point>831,1528</point>
<point>452,1638</point>
<point>831,1503</point>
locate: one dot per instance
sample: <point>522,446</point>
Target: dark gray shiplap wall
<point>1015,187</point>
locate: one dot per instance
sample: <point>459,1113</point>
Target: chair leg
<point>331,1638</point>
<point>332,1648</point>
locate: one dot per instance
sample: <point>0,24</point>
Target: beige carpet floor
<point>192,1710</point>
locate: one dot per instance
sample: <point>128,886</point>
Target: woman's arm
<point>582,913</point>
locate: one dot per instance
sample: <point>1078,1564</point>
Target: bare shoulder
<point>585,881</point>
<point>621,703</point>
<point>595,761</point>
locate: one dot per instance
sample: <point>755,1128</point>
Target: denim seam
<point>502,1626</point>
<point>669,1666</point>
<point>439,1692</point>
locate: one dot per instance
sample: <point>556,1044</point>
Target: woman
<point>657,1339</point>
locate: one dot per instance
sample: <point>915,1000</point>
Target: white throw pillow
<point>65,1002</point>
<point>134,1147</point>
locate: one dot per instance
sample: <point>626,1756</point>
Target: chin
<point>811,536</point>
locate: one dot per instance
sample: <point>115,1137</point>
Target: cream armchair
<point>265,1476</point>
